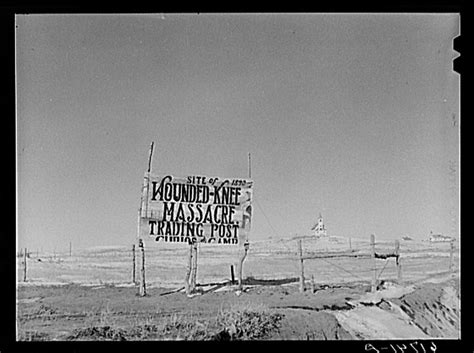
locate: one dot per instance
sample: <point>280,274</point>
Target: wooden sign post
<point>146,182</point>
<point>187,281</point>
<point>241,264</point>
<point>194,249</point>
<point>191,272</point>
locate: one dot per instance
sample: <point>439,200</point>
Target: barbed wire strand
<point>270,224</point>
<point>380,273</point>
<point>341,268</point>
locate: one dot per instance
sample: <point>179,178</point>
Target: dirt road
<point>265,310</point>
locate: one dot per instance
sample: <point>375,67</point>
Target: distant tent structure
<point>319,228</point>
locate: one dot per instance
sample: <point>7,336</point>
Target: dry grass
<point>31,335</point>
<point>247,321</point>
<point>239,322</point>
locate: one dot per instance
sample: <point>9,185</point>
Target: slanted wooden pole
<point>300,254</point>
<point>194,249</point>
<point>312,283</point>
<point>142,271</point>
<point>146,181</point>
<point>134,281</point>
<point>187,281</point>
<point>374,277</point>
<point>24,263</point>
<point>150,156</point>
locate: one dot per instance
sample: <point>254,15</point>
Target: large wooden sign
<point>196,209</point>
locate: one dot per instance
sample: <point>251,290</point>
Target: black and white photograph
<point>238,177</point>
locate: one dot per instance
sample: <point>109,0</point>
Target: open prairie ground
<point>89,294</point>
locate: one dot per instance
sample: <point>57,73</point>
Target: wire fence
<point>271,258</point>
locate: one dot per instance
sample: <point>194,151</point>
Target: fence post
<point>241,262</point>
<point>374,277</point>
<point>300,254</point>
<point>398,261</point>
<point>194,249</point>
<point>133,263</point>
<point>399,270</point>
<point>451,255</point>
<point>142,272</point>
<point>24,268</point>
<point>312,283</point>
<point>232,277</point>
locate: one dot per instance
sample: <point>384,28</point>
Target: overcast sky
<point>352,116</point>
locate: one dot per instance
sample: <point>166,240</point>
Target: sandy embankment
<point>428,310</point>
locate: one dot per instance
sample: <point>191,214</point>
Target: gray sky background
<point>353,116</point>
